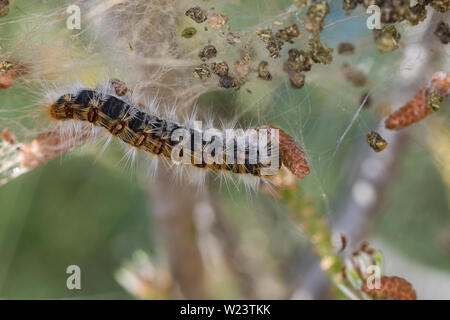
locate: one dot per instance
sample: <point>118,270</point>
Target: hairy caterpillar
<point>127,121</point>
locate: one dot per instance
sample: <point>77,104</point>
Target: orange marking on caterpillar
<point>8,136</point>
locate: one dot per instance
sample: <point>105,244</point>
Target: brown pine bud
<point>292,155</point>
<point>392,288</point>
<point>414,111</point>
<point>419,107</point>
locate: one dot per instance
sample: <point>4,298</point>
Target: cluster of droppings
<point>234,74</point>
<point>274,41</point>
<point>346,49</point>
<point>4,8</point>
<point>442,31</point>
<point>386,38</point>
<point>300,61</point>
<point>355,76</point>
<point>197,14</point>
<point>315,16</point>
<point>395,11</point>
<point>203,71</point>
<point>241,69</point>
<point>221,69</point>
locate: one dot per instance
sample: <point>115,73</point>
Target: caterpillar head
<point>62,109</point>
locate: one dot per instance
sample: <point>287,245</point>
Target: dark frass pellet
<point>414,16</point>
<point>346,49</point>
<point>376,142</point>
<point>298,61</point>
<point>197,14</point>
<point>315,16</point>
<point>5,66</point>
<point>386,38</point>
<point>434,101</point>
<point>220,68</point>
<point>273,42</point>
<point>366,100</point>
<point>202,71</point>
<point>297,80</point>
<point>319,51</point>
<point>440,5</point>
<point>289,33</point>
<point>442,31</point>
<point>208,52</point>
<point>4,8</point>
<point>263,72</point>
<point>189,32</point>
<point>227,82</point>
<point>349,4</point>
